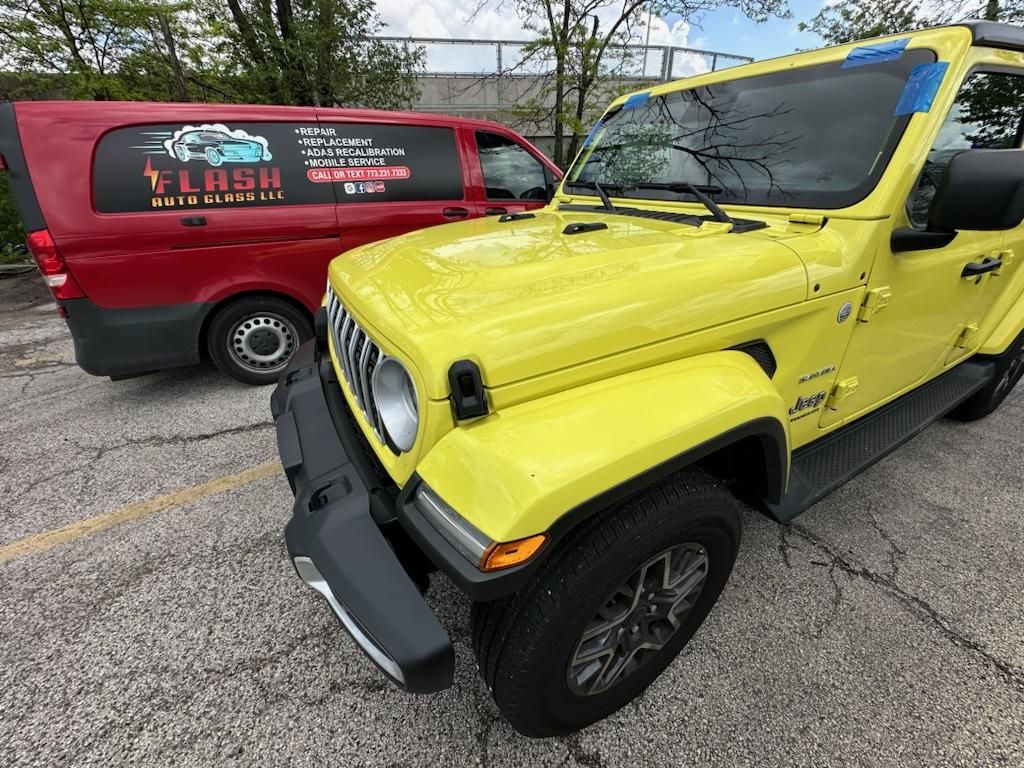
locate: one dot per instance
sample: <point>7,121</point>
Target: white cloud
<point>450,18</point>
<point>497,20</point>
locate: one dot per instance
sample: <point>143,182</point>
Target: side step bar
<point>821,467</point>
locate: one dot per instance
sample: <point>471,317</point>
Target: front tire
<point>1009,371</point>
<point>252,339</point>
<point>213,157</point>
<point>612,607</point>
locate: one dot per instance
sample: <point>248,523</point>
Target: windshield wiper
<point>677,186</point>
<point>700,191</point>
<point>605,200</point>
<point>717,213</point>
<point>600,189</point>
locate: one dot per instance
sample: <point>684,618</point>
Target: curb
<point>15,269</point>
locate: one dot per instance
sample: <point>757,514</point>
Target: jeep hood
<point>522,299</point>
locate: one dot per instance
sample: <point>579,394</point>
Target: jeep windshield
<point>813,137</point>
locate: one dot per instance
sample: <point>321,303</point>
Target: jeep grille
<point>358,355</point>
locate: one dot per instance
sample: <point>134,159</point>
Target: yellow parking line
<point>79,530</point>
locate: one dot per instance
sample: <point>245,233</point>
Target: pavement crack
<point>98,452</point>
<point>784,546</point>
<point>915,605</point>
<point>36,370</point>
<point>162,440</point>
<point>488,719</point>
<point>896,552</point>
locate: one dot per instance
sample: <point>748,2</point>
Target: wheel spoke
<point>640,616</point>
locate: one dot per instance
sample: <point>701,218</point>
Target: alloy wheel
<point>1010,376</point>
<point>638,619</point>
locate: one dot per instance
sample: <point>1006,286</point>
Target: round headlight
<point>395,397</point>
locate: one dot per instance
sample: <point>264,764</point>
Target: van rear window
<point>224,165</point>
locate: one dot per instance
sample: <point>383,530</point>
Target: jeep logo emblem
<point>803,403</point>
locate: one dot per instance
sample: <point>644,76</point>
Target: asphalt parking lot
<point>150,616</point>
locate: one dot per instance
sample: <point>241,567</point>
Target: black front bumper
<point>335,536</point>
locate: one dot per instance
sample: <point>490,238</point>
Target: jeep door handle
<point>455,213</point>
<point>979,268</point>
<point>495,211</point>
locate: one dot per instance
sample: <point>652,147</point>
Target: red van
<point>170,231</point>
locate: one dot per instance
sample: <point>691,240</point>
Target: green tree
<point>11,233</point>
<point>584,39</point>
<point>75,46</point>
<point>859,19</point>
<point>287,52</point>
<point>846,21</point>
<point>318,52</point>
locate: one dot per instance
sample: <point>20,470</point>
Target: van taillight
<point>51,264</point>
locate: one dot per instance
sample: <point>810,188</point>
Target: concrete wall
<point>518,102</point>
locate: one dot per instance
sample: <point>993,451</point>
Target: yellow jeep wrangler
<point>751,285</point>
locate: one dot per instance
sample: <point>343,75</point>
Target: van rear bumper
<point>122,342</point>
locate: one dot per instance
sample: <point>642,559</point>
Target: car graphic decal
<point>216,144</point>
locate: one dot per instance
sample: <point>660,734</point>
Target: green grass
<point>14,254</point>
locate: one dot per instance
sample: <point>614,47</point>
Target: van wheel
<point>611,608</point>
<point>1009,370</point>
<point>251,339</point>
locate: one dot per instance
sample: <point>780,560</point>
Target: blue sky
<point>729,31</point>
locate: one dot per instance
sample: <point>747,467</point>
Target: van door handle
<point>979,268</point>
<point>495,211</point>
<point>456,213</point>
<point>193,221</point>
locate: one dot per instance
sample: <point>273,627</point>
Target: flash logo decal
<point>153,175</point>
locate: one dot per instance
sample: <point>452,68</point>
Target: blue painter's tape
<point>890,50</point>
<point>592,134</point>
<point>922,85</point>
<point>636,100</point>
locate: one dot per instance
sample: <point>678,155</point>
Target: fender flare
<point>550,462</point>
<point>459,468</point>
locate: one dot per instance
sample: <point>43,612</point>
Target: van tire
<point>528,646</point>
<point>252,338</point>
<point>1009,371</point>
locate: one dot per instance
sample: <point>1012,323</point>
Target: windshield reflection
<point>813,137</point>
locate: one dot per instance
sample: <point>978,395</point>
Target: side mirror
<point>550,184</point>
<point>981,190</point>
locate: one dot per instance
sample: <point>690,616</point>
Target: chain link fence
<point>510,81</point>
<point>510,58</point>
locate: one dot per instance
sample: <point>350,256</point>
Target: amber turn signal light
<point>505,555</point>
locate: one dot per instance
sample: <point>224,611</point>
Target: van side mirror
<point>981,190</point>
<point>550,185</point>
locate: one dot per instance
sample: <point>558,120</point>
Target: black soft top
<point>992,34</point>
